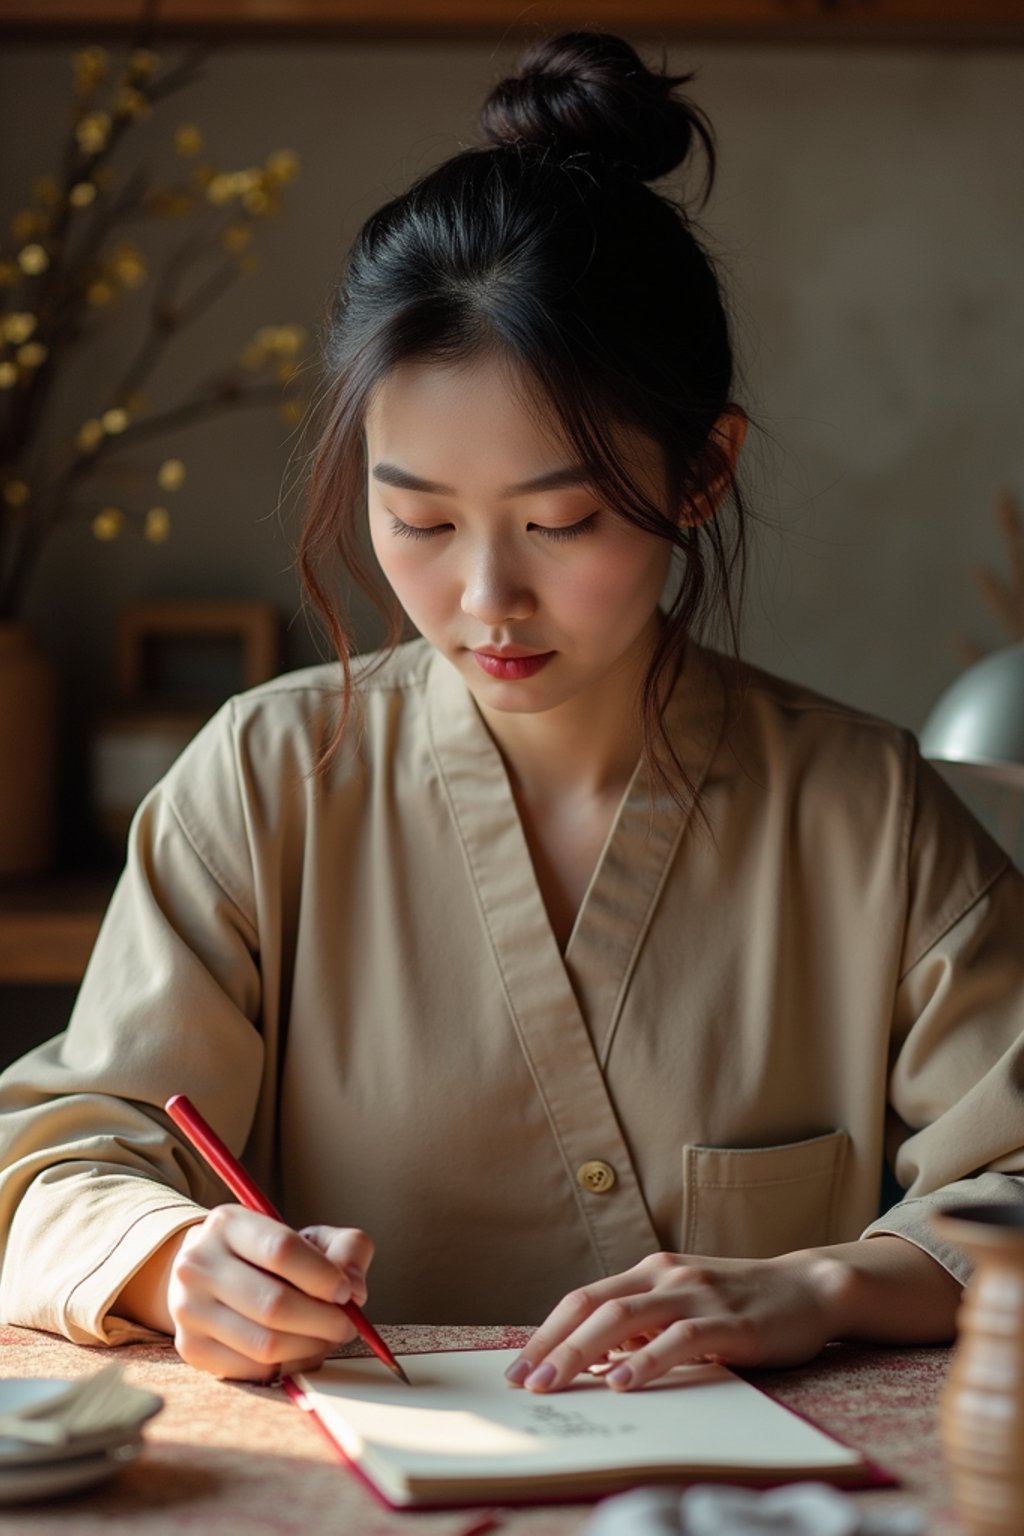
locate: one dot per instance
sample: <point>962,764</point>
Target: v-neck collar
<point>565,1010</point>
<point>635,858</point>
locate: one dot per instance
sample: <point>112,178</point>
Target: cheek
<point>616,583</point>
<point>411,574</point>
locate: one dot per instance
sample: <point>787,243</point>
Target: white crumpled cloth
<point>801,1509</point>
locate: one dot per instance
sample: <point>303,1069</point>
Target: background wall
<point>869,220</point>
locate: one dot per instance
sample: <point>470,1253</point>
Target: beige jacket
<point>358,986</point>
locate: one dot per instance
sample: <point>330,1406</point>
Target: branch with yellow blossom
<point>72,265</point>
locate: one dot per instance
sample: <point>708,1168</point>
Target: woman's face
<point>497,549</point>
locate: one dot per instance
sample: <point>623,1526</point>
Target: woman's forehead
<point>484,413</point>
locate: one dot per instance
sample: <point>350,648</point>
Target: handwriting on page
<point>544,1419</point>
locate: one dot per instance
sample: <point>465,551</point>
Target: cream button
<point>596,1176</point>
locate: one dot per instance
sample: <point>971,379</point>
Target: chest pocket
<point>755,1202</point>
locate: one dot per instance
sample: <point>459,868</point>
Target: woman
<point>567,971</point>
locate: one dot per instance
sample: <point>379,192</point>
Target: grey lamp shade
<point>979,720</point>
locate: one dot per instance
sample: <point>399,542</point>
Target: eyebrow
<point>554,480</point>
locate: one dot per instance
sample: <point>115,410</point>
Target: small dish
<point>135,1407</point>
<point>52,1479</point>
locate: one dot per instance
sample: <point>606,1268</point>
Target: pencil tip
<point>397,1369</point>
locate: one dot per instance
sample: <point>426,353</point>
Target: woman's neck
<point>587,747</point>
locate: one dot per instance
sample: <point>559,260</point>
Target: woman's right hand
<point>250,1299</point>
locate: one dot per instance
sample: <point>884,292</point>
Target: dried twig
<point>1002,594</point>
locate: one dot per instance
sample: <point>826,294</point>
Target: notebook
<point>460,1434</point>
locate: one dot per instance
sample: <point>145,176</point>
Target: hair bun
<point>589,92</point>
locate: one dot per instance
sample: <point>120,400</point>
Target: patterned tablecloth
<point>224,1458</point>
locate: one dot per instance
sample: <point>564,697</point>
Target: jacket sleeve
<point>93,1177</point>
<point>956,1080</point>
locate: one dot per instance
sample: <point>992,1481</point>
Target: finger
<point>349,1249</point>
<point>686,1342</point>
<point>206,1354</point>
<point>274,1247</point>
<point>570,1313</point>
<point>276,1306</point>
<point>207,1268</point>
<point>604,1330</point>
<point>262,1347</point>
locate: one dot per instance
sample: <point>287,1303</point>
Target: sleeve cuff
<point>911,1219</point>
<point>87,1318</point>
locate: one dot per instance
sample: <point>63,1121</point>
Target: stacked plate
<point>60,1436</point>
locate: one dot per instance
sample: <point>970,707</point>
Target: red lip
<point>511,663</point>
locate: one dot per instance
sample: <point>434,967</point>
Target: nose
<point>495,587</point>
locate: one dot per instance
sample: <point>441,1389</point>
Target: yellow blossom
<point>115,420</point>
<point>82,194</point>
<point>171,475</point>
<point>92,132</point>
<point>157,527</point>
<point>129,265</point>
<point>283,165</point>
<point>32,259</point>
<point>8,375</point>
<point>256,201</point>
<point>32,355</point>
<point>236,237</point>
<point>107,523</point>
<point>143,63</point>
<point>130,102</point>
<point>222,188</point>
<point>26,224</point>
<point>290,339</point>
<point>17,326</point>
<point>91,62</point>
<point>188,140</point>
<point>16,493</point>
<point>100,293</point>
<point>286,340</point>
<point>89,435</point>
<point>46,191</point>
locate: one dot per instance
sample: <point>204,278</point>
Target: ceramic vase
<point>981,1413</point>
<point>28,754</point>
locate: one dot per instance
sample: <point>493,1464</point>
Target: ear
<point>724,443</point>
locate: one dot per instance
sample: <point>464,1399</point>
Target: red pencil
<point>206,1141</point>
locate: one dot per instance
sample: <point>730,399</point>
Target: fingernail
<point>543,1376</point>
<point>620,1377</point>
<point>518,1372</point>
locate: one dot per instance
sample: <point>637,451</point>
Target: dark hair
<point>546,244</point>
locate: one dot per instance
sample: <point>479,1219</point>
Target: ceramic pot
<point>28,754</point>
<point>981,1413</point>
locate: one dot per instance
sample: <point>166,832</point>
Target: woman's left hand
<point>672,1308</point>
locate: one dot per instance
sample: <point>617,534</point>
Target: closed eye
<point>570,531</point>
<point>410,531</point>
<point>556,534</point>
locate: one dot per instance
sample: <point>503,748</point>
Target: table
<point>227,1458</point>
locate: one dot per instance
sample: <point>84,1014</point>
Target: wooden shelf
<point>48,928</point>
<point>909,21</point>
